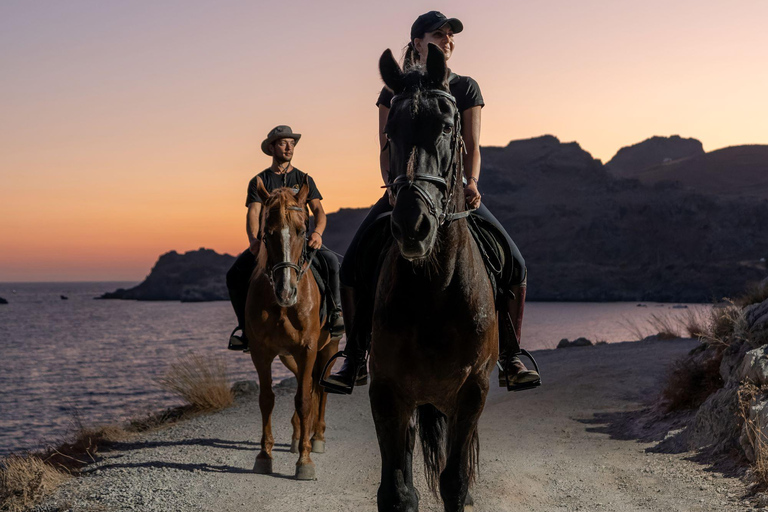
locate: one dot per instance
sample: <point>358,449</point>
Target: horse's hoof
<point>318,446</point>
<point>469,503</point>
<point>263,467</point>
<point>294,446</point>
<point>305,472</point>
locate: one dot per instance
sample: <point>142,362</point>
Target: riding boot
<point>354,371</point>
<point>515,375</point>
<point>237,287</point>
<point>335,319</point>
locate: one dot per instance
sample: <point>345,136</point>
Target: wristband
<point>318,233</point>
<point>472,178</point>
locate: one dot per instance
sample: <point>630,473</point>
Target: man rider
<point>280,144</point>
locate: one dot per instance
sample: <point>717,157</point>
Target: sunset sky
<point>131,128</point>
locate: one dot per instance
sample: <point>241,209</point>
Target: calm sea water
<point>98,360</point>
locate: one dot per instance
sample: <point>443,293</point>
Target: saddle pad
<point>321,277</point>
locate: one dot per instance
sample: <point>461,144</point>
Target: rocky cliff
<point>194,276</point>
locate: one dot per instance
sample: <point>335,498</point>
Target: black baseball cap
<point>431,21</point>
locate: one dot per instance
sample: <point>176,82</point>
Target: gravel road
<point>566,446</point>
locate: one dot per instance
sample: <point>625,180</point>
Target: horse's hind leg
<point>463,446</point>
<point>262,359</point>
<point>392,416</point>
<point>321,397</point>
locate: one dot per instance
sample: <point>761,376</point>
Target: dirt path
<point>558,448</point>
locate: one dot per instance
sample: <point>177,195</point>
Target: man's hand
<point>255,246</point>
<point>315,240</point>
<point>471,194</point>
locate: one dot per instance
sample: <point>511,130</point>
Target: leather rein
<point>305,260</point>
<point>455,168</point>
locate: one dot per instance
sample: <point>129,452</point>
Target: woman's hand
<point>472,195</point>
<point>315,240</point>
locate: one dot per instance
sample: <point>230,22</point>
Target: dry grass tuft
<point>200,381</point>
<point>25,480</point>
<point>722,325</point>
<point>665,325</point>
<point>695,322</point>
<point>87,443</point>
<point>691,380</point>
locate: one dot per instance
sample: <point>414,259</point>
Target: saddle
<point>377,239</point>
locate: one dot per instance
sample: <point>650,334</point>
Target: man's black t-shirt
<point>464,89</point>
<point>293,179</point>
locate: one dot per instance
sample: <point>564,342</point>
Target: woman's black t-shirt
<point>293,180</point>
<point>464,89</point>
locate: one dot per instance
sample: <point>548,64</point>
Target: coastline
<point>570,445</point>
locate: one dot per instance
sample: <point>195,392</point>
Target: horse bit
<point>457,144</point>
<point>289,264</point>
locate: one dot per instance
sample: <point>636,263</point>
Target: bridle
<point>455,168</point>
<point>305,260</point>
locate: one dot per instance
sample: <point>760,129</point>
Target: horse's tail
<point>432,431</point>
<point>433,426</point>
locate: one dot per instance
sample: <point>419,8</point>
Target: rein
<point>305,259</point>
<point>455,168</point>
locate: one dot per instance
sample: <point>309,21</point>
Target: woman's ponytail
<point>410,56</point>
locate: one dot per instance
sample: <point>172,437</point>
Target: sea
<point>75,361</point>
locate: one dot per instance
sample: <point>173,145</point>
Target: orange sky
<point>128,129</point>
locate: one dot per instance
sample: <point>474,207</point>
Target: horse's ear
<point>301,197</point>
<point>437,71</point>
<point>261,190</point>
<point>391,72</point>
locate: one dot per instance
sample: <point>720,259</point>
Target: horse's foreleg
<point>290,363</point>
<point>463,447</point>
<point>392,416</point>
<point>262,359</point>
<point>318,437</point>
<point>305,468</point>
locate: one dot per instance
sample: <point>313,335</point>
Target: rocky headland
<point>195,276</point>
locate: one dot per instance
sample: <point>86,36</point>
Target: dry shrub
<point>636,331</point>
<point>88,441</point>
<point>754,294</point>
<point>200,381</point>
<point>747,392</point>
<point>722,325</point>
<point>25,480</point>
<point>692,379</point>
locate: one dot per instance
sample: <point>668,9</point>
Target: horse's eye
<point>447,128</point>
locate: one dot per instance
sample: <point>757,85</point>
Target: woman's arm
<point>384,153</point>
<point>470,132</point>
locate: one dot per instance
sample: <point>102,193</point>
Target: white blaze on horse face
<point>285,235</point>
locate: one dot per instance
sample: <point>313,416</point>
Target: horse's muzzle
<point>413,228</point>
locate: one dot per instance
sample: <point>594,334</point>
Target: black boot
<point>354,371</point>
<point>515,376</point>
<point>336,324</point>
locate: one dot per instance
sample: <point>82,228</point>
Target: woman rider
<point>434,27</point>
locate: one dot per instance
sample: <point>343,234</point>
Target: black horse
<point>435,331</point>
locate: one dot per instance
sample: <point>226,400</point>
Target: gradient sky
<point>130,128</point>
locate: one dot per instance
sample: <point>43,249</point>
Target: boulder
<point>245,387</point>
<point>754,367</point>
<point>717,425</point>
<point>578,342</point>
<point>3,301</point>
<point>756,316</point>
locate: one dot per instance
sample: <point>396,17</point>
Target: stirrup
<point>332,387</point>
<point>526,385</point>
<point>239,343</point>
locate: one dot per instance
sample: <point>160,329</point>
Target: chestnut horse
<point>435,331</point>
<point>283,319</point>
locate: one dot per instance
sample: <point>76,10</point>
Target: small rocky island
<point>3,301</point>
<point>195,276</point>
